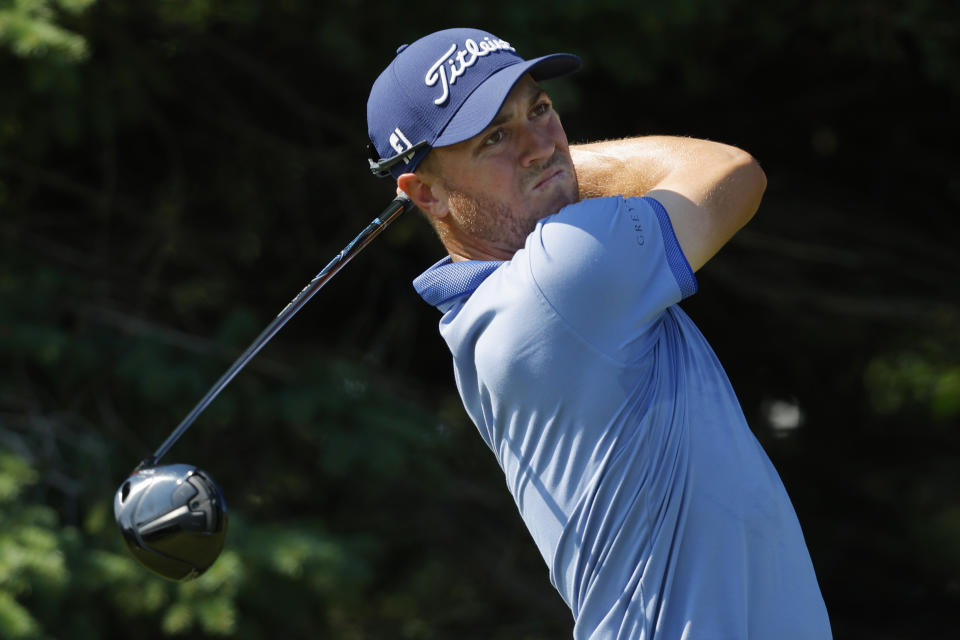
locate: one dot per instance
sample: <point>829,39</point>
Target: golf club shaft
<point>399,205</point>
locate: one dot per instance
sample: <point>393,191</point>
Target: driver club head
<point>173,519</point>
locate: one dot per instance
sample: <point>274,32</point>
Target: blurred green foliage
<point>172,172</point>
<point>928,382</point>
<point>30,30</point>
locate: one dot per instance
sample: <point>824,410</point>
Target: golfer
<point>622,442</point>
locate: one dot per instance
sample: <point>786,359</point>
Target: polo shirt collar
<point>446,281</point>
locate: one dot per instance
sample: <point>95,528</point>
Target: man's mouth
<point>549,178</point>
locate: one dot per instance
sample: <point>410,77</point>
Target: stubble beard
<point>484,216</point>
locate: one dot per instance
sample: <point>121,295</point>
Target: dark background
<point>173,172</point>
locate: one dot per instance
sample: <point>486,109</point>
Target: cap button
<point>401,48</point>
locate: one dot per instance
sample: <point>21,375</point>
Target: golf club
<point>174,517</point>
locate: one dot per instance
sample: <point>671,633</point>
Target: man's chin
<point>564,194</point>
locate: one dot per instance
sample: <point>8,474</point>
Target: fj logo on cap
<point>459,61</point>
<point>398,140</point>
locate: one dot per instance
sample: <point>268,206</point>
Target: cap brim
<point>484,103</point>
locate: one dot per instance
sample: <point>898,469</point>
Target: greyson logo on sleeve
<point>459,61</point>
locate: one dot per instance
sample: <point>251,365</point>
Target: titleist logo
<point>459,61</point>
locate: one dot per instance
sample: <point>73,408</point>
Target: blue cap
<point>443,89</point>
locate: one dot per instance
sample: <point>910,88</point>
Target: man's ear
<point>425,195</point>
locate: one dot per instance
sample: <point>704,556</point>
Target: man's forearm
<point>630,166</point>
<point>633,166</point>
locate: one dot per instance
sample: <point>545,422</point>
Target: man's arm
<point>710,190</point>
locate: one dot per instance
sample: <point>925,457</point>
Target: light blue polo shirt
<point>620,437</point>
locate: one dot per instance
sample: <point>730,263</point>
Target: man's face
<point>499,183</point>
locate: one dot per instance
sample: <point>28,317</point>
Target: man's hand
<point>710,190</point>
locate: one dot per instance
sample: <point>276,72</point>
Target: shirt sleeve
<point>610,267</point>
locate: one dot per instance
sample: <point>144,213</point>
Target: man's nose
<point>537,144</point>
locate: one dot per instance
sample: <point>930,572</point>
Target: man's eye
<point>494,137</point>
<point>541,108</point>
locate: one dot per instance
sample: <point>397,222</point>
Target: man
<point>622,442</point>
